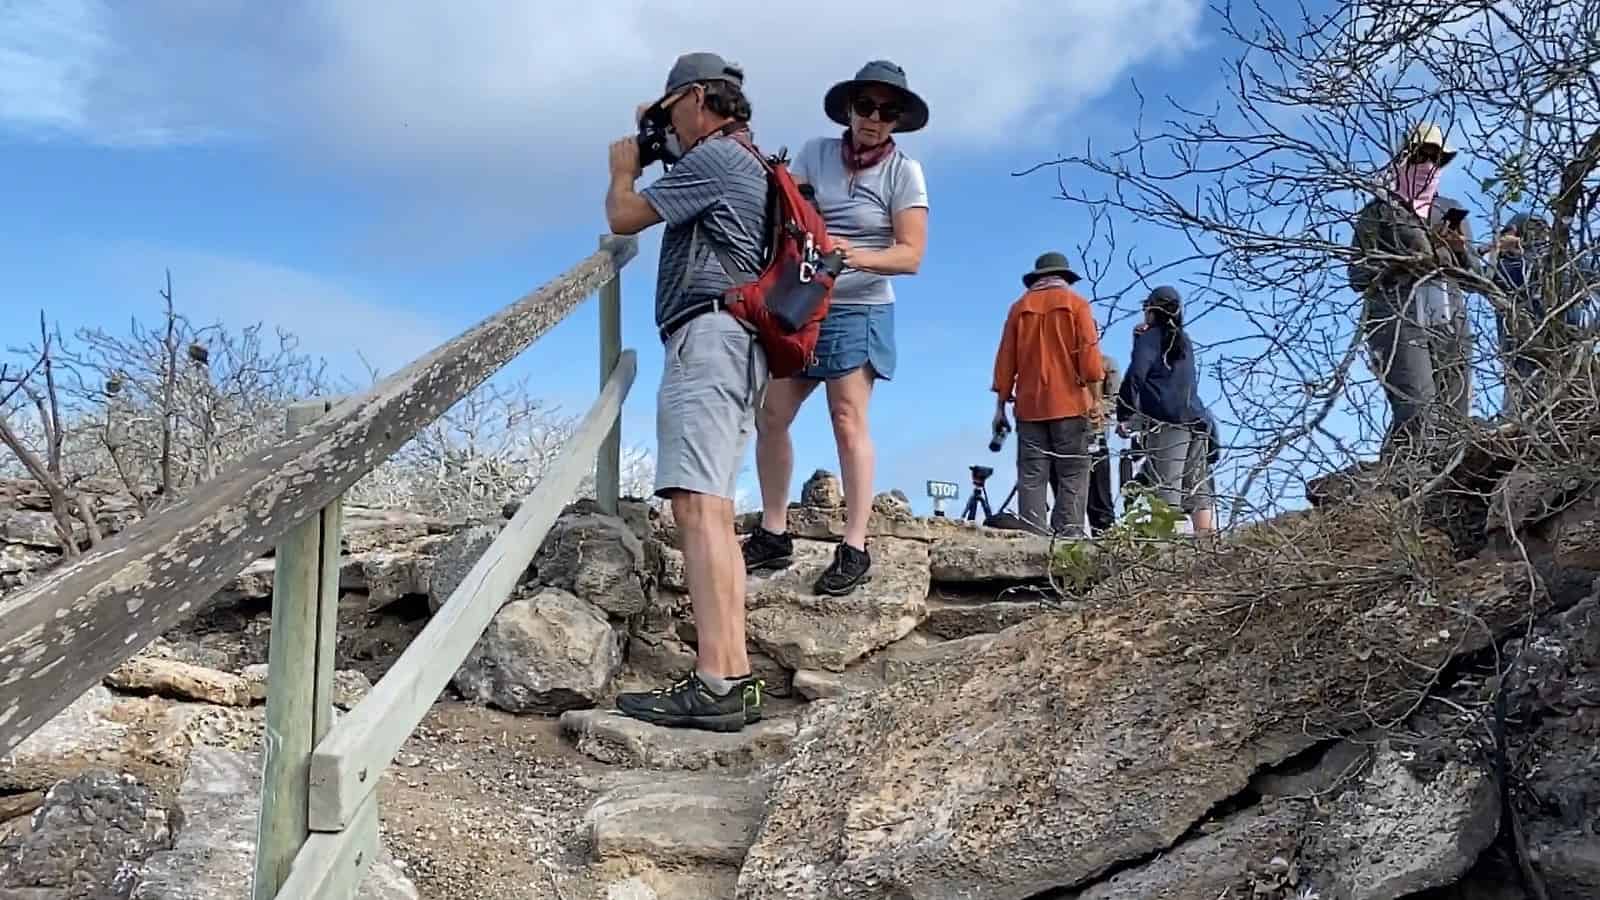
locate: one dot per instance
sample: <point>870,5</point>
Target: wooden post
<point>300,662</point>
<point>608,467</point>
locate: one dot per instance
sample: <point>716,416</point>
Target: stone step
<point>687,820</point>
<point>894,664</point>
<point>958,617</point>
<point>610,737</point>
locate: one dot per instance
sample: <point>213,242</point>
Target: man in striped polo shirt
<point>713,202</point>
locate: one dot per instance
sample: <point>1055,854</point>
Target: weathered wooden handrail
<point>62,634</point>
<point>346,766</point>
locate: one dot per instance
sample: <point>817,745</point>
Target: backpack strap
<point>738,132</point>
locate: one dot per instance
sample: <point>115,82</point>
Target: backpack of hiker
<point>1384,227</point>
<point>787,301</point>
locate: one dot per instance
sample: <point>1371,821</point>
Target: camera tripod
<point>980,495</point>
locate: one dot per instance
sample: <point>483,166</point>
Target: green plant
<point>1146,521</point>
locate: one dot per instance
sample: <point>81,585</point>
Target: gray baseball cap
<point>693,67</point>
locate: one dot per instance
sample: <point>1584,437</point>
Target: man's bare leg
<point>715,574</point>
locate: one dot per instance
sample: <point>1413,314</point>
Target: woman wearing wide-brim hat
<point>874,200</point>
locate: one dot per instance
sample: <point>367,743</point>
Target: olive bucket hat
<point>1051,263</point>
<point>880,71</point>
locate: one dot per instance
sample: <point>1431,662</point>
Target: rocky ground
<point>1298,713</point>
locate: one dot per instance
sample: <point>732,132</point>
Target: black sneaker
<point>765,550</point>
<point>847,571</point>
<point>691,704</point>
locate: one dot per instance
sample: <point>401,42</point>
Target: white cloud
<point>329,320</point>
<point>499,112</point>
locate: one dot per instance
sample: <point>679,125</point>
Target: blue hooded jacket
<point>1164,393</point>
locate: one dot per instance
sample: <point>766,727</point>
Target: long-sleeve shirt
<point>1049,356</point>
<point>1164,393</point>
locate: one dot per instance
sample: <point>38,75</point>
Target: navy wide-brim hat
<point>836,103</point>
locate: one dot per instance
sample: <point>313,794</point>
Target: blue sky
<point>378,177</point>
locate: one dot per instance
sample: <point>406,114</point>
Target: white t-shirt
<point>861,209</point>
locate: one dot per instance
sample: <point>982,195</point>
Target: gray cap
<point>693,67</point>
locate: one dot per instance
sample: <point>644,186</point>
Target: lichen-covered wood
<point>62,634</point>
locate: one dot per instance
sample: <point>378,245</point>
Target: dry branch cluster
<point>1256,193</point>
<point>159,410</point>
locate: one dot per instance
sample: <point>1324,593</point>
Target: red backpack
<point>788,300</point>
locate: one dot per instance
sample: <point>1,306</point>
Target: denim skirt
<point>855,335</point>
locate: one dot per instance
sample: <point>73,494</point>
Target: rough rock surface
<point>823,490</point>
<point>819,524</point>
<point>597,558</point>
<point>84,728</point>
<point>544,653</point>
<point>804,630</point>
<point>687,820</point>
<point>1075,743</point>
<point>613,738</point>
<point>213,857</point>
<point>385,575</point>
<point>657,660</point>
<point>817,685</point>
<point>1387,833</point>
<point>88,839</point>
<point>953,617</point>
<point>895,662</point>
<point>1558,688</point>
<point>1398,832</point>
<point>988,555</point>
<point>349,686</point>
<point>180,680</point>
<point>456,558</point>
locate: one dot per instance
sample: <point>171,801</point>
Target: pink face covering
<point>1419,183</point>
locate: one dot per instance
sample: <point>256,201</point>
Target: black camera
<point>998,438</point>
<point>980,474</point>
<point>654,146</point>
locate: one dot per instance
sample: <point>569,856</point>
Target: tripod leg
<point>1009,497</point>
<point>971,513</point>
<point>987,512</point>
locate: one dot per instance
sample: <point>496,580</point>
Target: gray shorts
<point>712,383</point>
<point>1180,471</point>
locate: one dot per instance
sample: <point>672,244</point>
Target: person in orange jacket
<point>1049,364</point>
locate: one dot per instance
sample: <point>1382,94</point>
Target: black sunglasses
<point>887,112</point>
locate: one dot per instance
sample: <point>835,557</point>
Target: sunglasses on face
<point>866,106</point>
<point>1427,153</point>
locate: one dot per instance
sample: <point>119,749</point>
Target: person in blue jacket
<point>1160,399</point>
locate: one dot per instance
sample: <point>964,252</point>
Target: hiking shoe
<point>848,570</point>
<point>691,704</point>
<point>754,690</point>
<point>765,550</point>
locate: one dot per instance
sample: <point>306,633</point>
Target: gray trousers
<point>1053,453</point>
<point>1402,358</point>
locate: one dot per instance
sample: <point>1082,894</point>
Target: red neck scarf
<point>861,160</point>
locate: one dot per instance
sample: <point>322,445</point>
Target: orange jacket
<point>1049,356</point>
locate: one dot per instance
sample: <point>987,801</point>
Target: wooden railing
<point>318,828</point>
